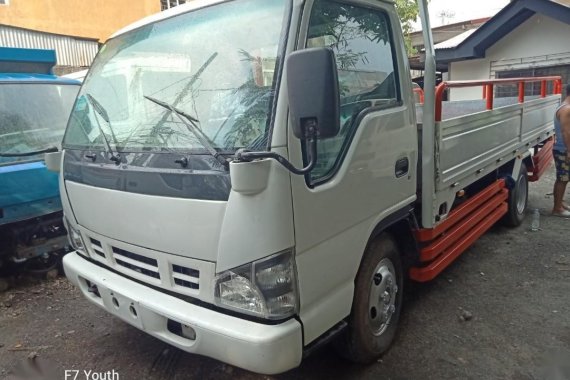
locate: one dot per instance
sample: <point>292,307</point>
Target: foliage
<point>250,110</point>
<point>408,12</point>
<point>333,26</point>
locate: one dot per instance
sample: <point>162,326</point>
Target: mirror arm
<point>311,136</point>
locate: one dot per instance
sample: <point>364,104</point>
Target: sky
<point>462,10</point>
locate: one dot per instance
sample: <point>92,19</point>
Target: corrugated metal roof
<point>454,41</point>
<point>71,51</point>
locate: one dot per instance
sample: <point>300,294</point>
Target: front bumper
<point>257,347</point>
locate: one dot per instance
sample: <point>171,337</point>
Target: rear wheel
<point>518,199</point>
<point>377,303</point>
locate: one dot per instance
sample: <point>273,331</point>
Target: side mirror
<point>53,161</point>
<point>314,96</point>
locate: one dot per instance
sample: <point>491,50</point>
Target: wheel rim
<point>383,294</point>
<point>520,193</point>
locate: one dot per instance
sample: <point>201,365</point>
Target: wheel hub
<point>382,301</point>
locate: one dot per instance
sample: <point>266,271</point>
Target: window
<point>164,4</point>
<point>362,42</point>
<point>33,117</point>
<point>533,88</point>
<point>223,79</point>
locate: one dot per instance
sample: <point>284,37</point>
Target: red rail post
<point>521,92</point>
<point>420,93</point>
<point>488,86</point>
<point>439,91</point>
<point>489,96</point>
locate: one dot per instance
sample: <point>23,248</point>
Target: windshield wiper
<point>116,158</point>
<point>190,123</point>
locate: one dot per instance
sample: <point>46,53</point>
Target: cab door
<point>367,172</point>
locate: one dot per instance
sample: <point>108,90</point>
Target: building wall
<point>465,70</point>
<point>97,19</point>
<point>538,42</point>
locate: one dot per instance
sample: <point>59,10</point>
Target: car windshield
<point>215,64</point>
<point>33,117</point>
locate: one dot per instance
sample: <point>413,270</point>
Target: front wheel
<point>377,303</point>
<point>518,199</point>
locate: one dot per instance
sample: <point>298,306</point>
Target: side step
<point>441,245</point>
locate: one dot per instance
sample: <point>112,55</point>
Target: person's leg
<point>559,191</point>
<point>562,177</point>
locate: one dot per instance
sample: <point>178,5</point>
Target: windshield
<point>33,117</point>
<point>215,64</point>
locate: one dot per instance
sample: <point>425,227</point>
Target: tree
<point>408,12</point>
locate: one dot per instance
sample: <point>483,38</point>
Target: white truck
<point>275,187</point>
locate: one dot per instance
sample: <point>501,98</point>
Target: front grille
<point>97,248</point>
<point>186,277</point>
<point>172,272</point>
<point>135,262</point>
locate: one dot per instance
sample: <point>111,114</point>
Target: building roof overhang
<point>510,17</point>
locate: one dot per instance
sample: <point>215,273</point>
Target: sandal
<point>562,214</point>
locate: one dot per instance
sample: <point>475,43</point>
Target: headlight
<point>266,288</point>
<point>75,238</point>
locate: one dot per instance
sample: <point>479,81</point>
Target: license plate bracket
<point>122,307</point>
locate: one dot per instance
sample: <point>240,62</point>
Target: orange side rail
<point>420,92</point>
<point>454,234</point>
<point>542,160</point>
<point>424,235</point>
<point>437,266</point>
<point>444,243</point>
<point>488,86</point>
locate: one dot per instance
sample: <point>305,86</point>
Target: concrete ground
<point>515,283</point>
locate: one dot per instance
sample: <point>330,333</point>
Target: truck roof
<point>29,66</point>
<point>35,78</point>
<point>179,9</point>
<point>34,61</point>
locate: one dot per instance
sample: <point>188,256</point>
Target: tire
<point>518,200</point>
<point>376,297</point>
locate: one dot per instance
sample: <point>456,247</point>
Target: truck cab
<point>34,107</point>
<point>268,198</point>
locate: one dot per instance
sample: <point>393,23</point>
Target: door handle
<point>402,167</point>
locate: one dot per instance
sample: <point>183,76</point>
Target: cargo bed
<point>475,137</point>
